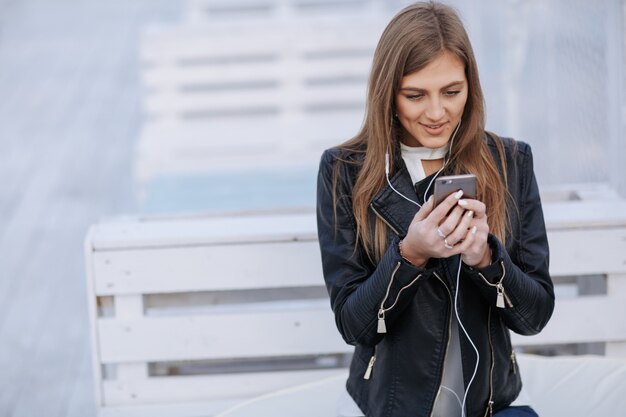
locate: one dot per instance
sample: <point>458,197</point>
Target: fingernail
<point>463,203</point>
<point>430,198</point>
<point>474,230</point>
<point>470,213</point>
<point>458,194</point>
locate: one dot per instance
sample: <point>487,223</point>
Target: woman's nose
<point>435,110</point>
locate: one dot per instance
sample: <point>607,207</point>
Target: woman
<point>428,294</point>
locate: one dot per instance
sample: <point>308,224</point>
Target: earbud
<point>387,163</point>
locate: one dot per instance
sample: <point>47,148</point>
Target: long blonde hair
<point>415,37</point>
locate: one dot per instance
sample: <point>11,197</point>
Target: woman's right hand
<point>427,232</point>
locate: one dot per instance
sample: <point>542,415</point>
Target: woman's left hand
<point>473,246</point>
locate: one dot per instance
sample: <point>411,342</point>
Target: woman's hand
<point>473,248</point>
<point>455,226</point>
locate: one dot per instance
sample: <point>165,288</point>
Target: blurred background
<point>164,107</point>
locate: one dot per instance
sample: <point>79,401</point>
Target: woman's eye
<point>452,92</point>
<point>415,96</point>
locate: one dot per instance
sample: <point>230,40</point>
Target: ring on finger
<point>446,244</point>
<point>440,233</point>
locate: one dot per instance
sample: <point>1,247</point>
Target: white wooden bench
<point>260,94</point>
<point>220,296</point>
<point>586,229</point>
<point>191,315</point>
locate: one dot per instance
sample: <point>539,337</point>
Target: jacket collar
<point>392,208</point>
<point>396,211</point>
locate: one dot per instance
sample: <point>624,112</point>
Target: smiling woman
<point>428,294</point>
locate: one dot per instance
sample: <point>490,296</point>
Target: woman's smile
<point>434,129</point>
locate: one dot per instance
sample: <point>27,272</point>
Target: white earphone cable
<point>458,318</point>
<point>445,162</point>
<point>458,274</point>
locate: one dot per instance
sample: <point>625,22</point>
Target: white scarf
<point>413,157</point>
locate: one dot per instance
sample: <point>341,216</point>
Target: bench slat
<point>159,390</point>
<point>582,320</point>
<point>186,231</point>
<point>205,268</point>
<point>210,268</point>
<point>573,253</point>
<point>221,336</point>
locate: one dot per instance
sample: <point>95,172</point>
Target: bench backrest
<point>222,308</point>
<point>192,314</point>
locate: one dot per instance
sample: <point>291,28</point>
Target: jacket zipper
<point>489,410</point>
<point>501,295</point>
<point>382,327</point>
<point>513,361</point>
<point>370,365</point>
<point>512,356</point>
<point>445,354</point>
<point>383,219</point>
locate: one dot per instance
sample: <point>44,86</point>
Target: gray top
<point>452,390</point>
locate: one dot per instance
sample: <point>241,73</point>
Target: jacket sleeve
<point>357,287</point>
<point>523,273</point>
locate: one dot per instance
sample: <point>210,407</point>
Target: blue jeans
<point>519,411</point>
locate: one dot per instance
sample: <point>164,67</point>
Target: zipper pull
<point>507,299</point>
<point>370,365</point>
<point>513,361</point>
<point>500,296</point>
<point>382,328</point>
<point>491,408</point>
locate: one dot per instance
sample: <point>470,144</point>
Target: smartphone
<point>444,186</point>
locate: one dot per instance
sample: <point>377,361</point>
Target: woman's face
<point>430,101</point>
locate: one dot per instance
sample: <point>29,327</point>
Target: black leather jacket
<point>406,362</point>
